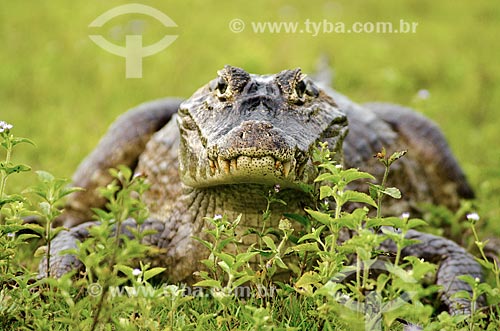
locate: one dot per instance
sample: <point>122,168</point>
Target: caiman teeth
<point>286,168</point>
<point>213,167</point>
<point>300,169</point>
<point>231,166</point>
<point>226,165</point>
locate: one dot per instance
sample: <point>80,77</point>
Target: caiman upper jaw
<point>253,149</point>
<point>290,168</point>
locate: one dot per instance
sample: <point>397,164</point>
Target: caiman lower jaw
<point>255,170</point>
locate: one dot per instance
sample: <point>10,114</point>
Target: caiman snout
<point>255,134</point>
<point>254,149</point>
<point>255,139</point>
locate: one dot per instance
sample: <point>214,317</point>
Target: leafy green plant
<point>109,251</point>
<point>333,252</point>
<point>51,191</point>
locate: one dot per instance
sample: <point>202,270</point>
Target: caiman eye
<point>312,90</point>
<point>221,85</point>
<point>300,88</point>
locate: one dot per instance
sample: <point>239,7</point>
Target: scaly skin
<point>241,134</point>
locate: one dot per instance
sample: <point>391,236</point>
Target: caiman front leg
<point>452,260</point>
<point>124,142</point>
<point>122,145</point>
<point>61,264</point>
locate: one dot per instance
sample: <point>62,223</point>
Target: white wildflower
<point>136,272</point>
<point>423,94</point>
<point>473,217</point>
<point>218,217</point>
<point>338,166</point>
<point>477,280</point>
<point>277,188</point>
<point>405,215</point>
<point>4,126</point>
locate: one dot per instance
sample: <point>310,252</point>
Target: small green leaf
<point>269,242</point>
<point>244,258</point>
<point>228,259</point>
<point>320,217</point>
<point>25,236</point>
<point>279,262</point>
<point>19,140</point>
<point>392,192</point>
<point>11,169</point>
<point>386,221</point>
<point>462,295</point>
<point>10,199</point>
<point>355,196</point>
<point>404,275</point>
<point>302,248</point>
<point>468,279</point>
<point>325,192</point>
<point>128,271</point>
<point>223,243</point>
<point>101,214</point>
<point>314,235</point>
<point>209,283</point>
<point>306,188</point>
<point>40,251</point>
<point>396,156</point>
<point>414,222</point>
<point>55,231</point>
<point>328,177</point>
<point>373,190</point>
<point>225,267</point>
<point>305,283</point>
<point>485,264</point>
<point>35,228</point>
<point>68,190</point>
<point>148,274</point>
<point>350,175</point>
<point>44,176</point>
<point>243,280</point>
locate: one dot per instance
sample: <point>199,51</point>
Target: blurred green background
<point>61,90</point>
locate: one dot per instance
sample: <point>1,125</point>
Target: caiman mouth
<point>252,152</point>
<point>263,169</point>
<point>255,152</point>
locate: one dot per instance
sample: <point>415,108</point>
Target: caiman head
<point>242,128</point>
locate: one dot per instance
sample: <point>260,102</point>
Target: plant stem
<point>380,195</point>
<point>4,175</point>
<point>48,241</point>
<point>495,268</point>
<point>398,254</point>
